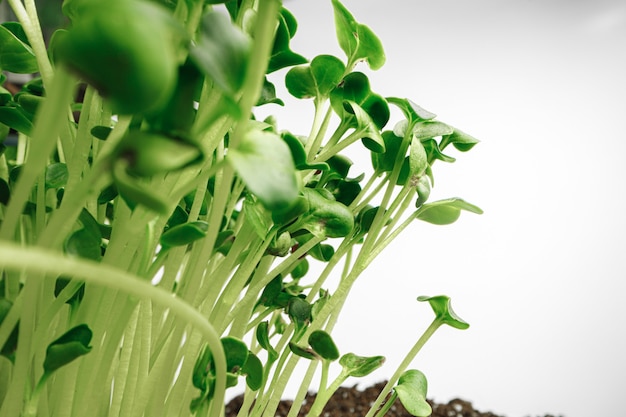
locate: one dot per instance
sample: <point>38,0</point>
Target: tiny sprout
<point>441,305</point>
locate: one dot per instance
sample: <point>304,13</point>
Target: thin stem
<point>388,404</point>
<point>404,364</point>
<point>43,261</point>
<point>49,122</point>
<point>27,15</point>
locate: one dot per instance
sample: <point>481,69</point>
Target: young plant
<point>159,243</point>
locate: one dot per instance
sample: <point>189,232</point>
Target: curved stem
<point>404,364</point>
<point>46,262</point>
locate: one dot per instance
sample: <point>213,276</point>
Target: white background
<point>540,275</point>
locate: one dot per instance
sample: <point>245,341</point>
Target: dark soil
<point>356,403</point>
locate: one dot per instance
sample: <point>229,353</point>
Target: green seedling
<point>412,385</point>
<point>171,242</point>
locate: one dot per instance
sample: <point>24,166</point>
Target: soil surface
<point>352,402</point>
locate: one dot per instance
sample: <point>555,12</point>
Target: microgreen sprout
<point>160,243</point>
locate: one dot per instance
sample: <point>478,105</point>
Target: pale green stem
<point>50,120</point>
<point>27,15</point>
<point>404,364</point>
<point>125,368</point>
<point>329,152</point>
<point>302,391</point>
<point>41,261</point>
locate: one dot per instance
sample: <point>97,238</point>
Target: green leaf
<point>386,161</point>
<point>71,345</point>
<point>411,389</point>
<point>418,159</point>
<point>264,163</point>
<point>442,306</point>
<point>29,102</point>
<point>325,217</point>
<point>178,115</point>
<point>370,48</point>
<point>262,337</point>
<point>434,152</point>
<point>357,40</point>
<point>282,56</point>
<point>149,153</point>
<point>76,297</point>
<point>90,223</point>
<point>256,216</point>
<point>299,311</point>
<point>128,50</point>
<point>271,291</point>
<point>317,79</point>
<point>101,132</point>
<point>56,175</point>
<point>253,369</point>
<point>5,192</point>
<point>17,29</point>
<point>327,71</point>
<point>15,55</point>
<point>5,95</point>
<point>371,138</point>
<point>412,111</point>
<point>300,82</point>
<point>356,87</point>
<point>134,193</point>
<point>303,352</point>
<point>360,366</point>
<point>281,245</point>
<point>17,118</point>
<point>323,344</point>
<point>423,190</point>
<point>300,269</point>
<point>444,212</point>
<point>201,369</point>
<point>460,140</point>
<point>84,244</point>
<point>365,218</point>
<point>299,155</point>
<point>322,252</point>
<point>346,28</point>
<point>236,353</point>
<point>108,194</point>
<point>222,52</point>
<point>184,234</point>
<point>431,128</point>
<point>268,95</point>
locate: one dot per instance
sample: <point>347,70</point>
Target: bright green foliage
<point>411,389</point>
<point>282,56</point>
<point>443,311</point>
<point>130,62</point>
<point>355,87</point>
<point>317,79</point>
<point>15,53</point>
<point>71,345</point>
<point>357,40</point>
<point>222,52</point>
<point>148,153</point>
<point>323,344</point>
<point>56,175</point>
<point>184,234</point>
<point>263,160</point>
<point>445,211</point>
<point>200,243</point>
<point>359,366</point>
